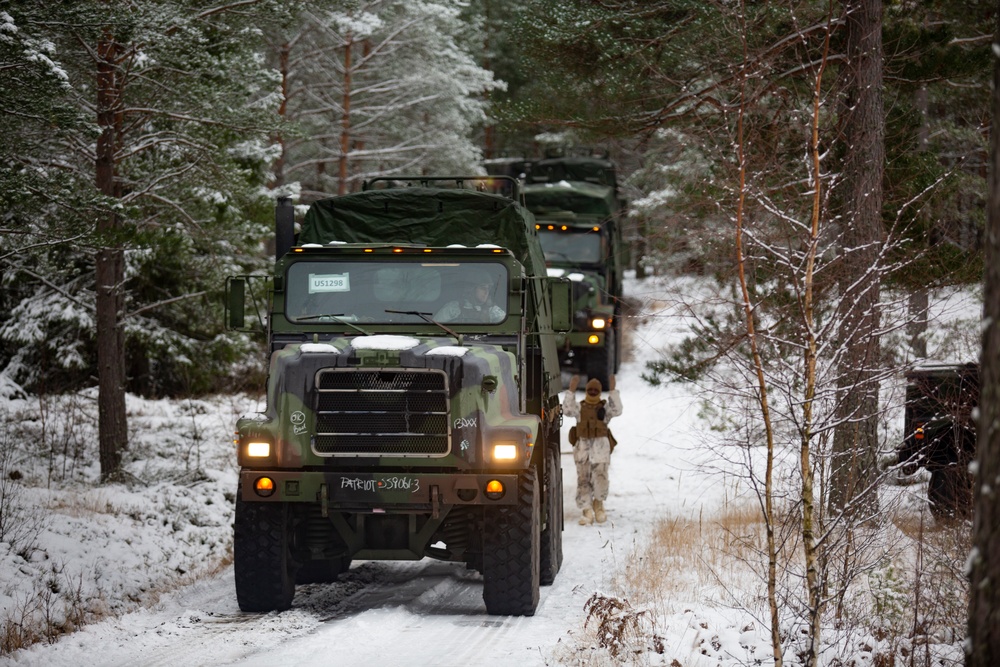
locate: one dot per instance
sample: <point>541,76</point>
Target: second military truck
<point>412,396</point>
<point>579,216</point>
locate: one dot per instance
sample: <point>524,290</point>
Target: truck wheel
<point>601,361</point>
<point>262,556</point>
<point>950,492</point>
<point>511,545</point>
<point>551,548</point>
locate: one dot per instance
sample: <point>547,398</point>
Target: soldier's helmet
<point>482,278</point>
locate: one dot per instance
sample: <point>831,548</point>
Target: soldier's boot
<point>599,512</point>
<point>587,518</point>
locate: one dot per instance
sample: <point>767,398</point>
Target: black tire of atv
<point>551,548</point>
<point>511,546</point>
<point>601,361</point>
<point>262,561</point>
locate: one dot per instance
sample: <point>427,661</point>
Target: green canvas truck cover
<point>569,168</point>
<point>582,198</point>
<point>425,216</point>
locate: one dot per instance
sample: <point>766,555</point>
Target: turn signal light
<point>264,486</point>
<point>593,339</point>
<point>919,434</point>
<point>494,489</point>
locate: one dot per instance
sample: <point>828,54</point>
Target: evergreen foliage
<point>196,107</point>
<point>376,88</point>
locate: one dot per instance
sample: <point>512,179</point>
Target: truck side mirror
<point>561,291</point>
<point>235,304</point>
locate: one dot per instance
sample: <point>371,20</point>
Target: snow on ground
<point>130,551</point>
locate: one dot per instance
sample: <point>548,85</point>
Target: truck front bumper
<point>377,490</point>
<point>578,339</point>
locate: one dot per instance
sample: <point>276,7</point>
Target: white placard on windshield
<point>329,282</point>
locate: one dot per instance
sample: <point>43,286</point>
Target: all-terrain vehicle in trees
<point>390,433</point>
<point>940,433</point>
<point>575,201</point>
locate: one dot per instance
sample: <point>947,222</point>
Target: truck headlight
<point>598,323</point>
<point>258,450</point>
<point>505,451</point>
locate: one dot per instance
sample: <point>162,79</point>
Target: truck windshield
<point>571,246</point>
<point>349,291</point>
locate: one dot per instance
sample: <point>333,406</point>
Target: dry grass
<point>85,503</point>
<point>685,558</point>
<point>904,604</point>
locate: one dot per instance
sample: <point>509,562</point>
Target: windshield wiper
<point>427,317</point>
<point>334,316</point>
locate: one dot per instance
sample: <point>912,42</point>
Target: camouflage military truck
<point>940,433</point>
<point>580,229</point>
<point>412,398</point>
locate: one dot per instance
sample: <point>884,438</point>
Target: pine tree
<point>167,165</point>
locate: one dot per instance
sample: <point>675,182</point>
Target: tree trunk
<point>984,599</point>
<point>110,266</point>
<point>345,121</point>
<point>638,253</point>
<point>918,303</point>
<point>278,169</point>
<point>855,445</point>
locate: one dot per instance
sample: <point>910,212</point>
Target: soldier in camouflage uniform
<point>592,449</point>
<point>477,306</point>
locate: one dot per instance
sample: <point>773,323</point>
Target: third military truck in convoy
<point>412,396</point>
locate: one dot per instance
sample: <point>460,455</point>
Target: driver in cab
<point>476,306</point>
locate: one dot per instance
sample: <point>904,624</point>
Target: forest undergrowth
<point>910,609</point>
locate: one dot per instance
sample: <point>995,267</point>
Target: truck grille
<point>386,412</point>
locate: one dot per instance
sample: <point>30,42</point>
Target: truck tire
<point>551,547</point>
<point>262,556</point>
<point>511,545</point>
<point>601,361</point>
<point>950,492</point>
